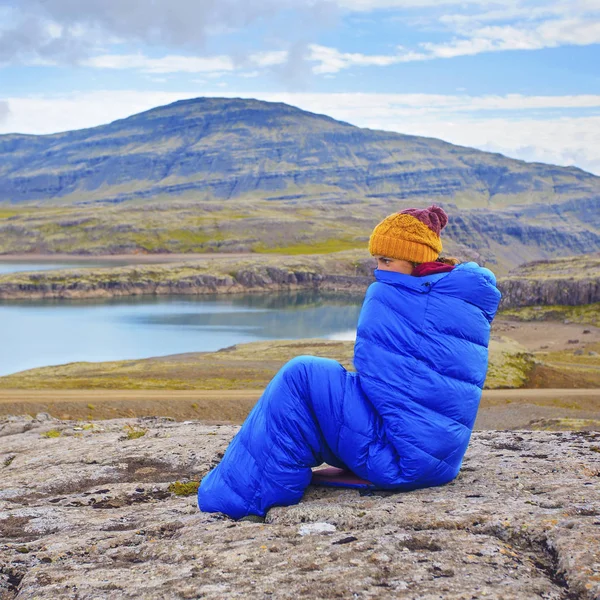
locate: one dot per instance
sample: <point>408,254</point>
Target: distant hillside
<point>233,174</point>
<point>228,148</point>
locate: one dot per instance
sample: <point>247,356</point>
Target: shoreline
<point>205,274</point>
<point>133,258</point>
<point>220,273</point>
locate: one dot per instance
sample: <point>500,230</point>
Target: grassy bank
<point>526,386</point>
<point>586,314</point>
<point>219,274</point>
<point>242,367</point>
<point>251,366</point>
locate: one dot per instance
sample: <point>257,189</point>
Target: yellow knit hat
<point>412,234</point>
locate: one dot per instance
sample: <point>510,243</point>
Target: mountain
<point>287,176</point>
<point>229,148</point>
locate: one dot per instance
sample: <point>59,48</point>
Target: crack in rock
<point>88,515</point>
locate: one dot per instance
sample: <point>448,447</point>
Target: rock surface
<point>85,512</point>
<point>572,281</point>
<point>348,272</point>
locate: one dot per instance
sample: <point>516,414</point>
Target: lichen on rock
<point>94,518</point>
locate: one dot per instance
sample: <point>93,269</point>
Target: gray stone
<point>43,417</point>
<point>89,515</point>
<point>316,528</point>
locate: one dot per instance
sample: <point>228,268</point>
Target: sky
<point>520,77</point>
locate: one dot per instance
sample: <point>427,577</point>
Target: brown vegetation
<point>223,386</point>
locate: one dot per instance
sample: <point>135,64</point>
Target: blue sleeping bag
<point>402,421</point>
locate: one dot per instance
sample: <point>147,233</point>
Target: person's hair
<point>447,260</point>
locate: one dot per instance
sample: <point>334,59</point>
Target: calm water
<point>49,332</point>
<point>17,267</point>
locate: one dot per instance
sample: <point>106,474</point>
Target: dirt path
<point>500,409</point>
<point>540,409</point>
<point>578,366</point>
<point>548,336</point>
<point>226,406</point>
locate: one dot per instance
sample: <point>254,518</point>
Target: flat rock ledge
<point>85,512</point>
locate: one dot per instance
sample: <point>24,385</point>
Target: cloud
<point>53,113</point>
<point>480,27</point>
<point>269,59</point>
<point>332,60</point>
<point>166,64</point>
<point>549,34</point>
<point>295,73</point>
<point>36,41</point>
<point>465,120</point>
<point>187,64</point>
<point>4,112</point>
<point>70,30</point>
<point>370,5</point>
<point>520,25</point>
<point>397,105</point>
<point>57,32</point>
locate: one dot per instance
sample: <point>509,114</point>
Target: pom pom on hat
<point>412,234</point>
<point>434,217</point>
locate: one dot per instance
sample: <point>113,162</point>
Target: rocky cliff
<point>569,281</point>
<point>89,510</point>
<point>350,272</point>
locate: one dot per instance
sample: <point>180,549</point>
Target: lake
<point>49,332</point>
<point>19,266</point>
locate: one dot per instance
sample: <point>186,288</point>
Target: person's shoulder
<point>473,284</point>
<point>472,269</point>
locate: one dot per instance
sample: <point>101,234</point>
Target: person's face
<point>385,263</point>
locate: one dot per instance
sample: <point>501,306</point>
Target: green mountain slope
<point>228,148</point>
<point>232,174</point>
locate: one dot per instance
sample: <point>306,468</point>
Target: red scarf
<point>431,268</point>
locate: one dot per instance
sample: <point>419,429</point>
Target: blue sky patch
<point>515,76</point>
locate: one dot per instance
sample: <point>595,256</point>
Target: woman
<point>403,420</point>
